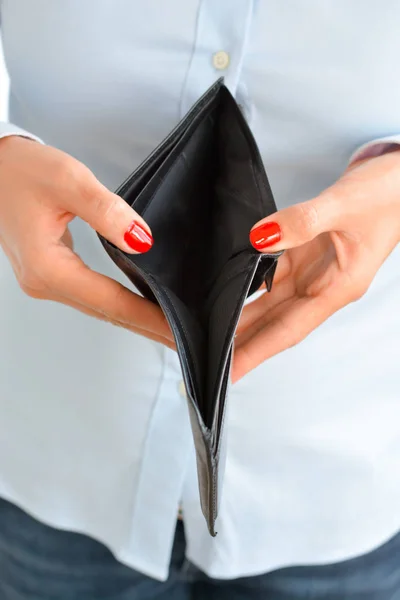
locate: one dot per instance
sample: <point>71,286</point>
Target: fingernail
<point>265,235</point>
<point>138,238</point>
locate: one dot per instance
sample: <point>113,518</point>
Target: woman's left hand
<point>335,244</point>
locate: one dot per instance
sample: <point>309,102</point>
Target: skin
<point>42,191</point>
<point>335,244</point>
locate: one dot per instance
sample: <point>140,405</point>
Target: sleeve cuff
<point>375,148</point>
<point>8,129</point>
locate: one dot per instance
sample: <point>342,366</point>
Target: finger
<point>91,313</point>
<point>296,225</point>
<point>109,214</point>
<point>286,329</point>
<point>263,306</point>
<point>75,281</point>
<point>282,289</point>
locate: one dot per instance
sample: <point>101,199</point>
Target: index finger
<point>77,282</point>
<point>286,329</point>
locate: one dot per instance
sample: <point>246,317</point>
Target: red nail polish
<point>138,238</point>
<point>265,235</point>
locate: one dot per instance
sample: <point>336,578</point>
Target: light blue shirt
<point>94,429</point>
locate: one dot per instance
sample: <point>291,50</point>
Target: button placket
<point>221,39</point>
<point>160,483</point>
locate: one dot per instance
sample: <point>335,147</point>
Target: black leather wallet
<point>201,191</point>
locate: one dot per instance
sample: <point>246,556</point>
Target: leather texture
<point>201,191</point>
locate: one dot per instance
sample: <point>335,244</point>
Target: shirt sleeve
<point>376,148</point>
<point>8,129</point>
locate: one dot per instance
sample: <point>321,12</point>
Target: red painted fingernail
<point>138,238</point>
<point>265,235</point>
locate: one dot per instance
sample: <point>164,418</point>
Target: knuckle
<point>355,288</point>
<point>294,339</point>
<point>113,312</point>
<point>33,279</point>
<point>119,314</point>
<point>70,173</point>
<point>308,218</point>
<point>89,192</point>
<point>290,337</point>
<point>359,290</point>
<point>104,206</point>
<point>32,286</point>
<point>65,171</point>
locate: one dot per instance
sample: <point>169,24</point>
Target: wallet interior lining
<point>200,205</point>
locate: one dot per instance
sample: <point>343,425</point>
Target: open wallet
<point>201,191</point>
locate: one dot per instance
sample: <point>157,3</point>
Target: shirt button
<point>221,60</point>
<point>182,389</point>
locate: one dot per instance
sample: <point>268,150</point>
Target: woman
<point>96,454</point>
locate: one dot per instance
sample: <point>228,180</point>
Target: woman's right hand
<point>41,191</point>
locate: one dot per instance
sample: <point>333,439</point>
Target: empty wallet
<point>201,191</point>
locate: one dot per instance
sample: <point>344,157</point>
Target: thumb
<point>113,218</point>
<point>295,225</point>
